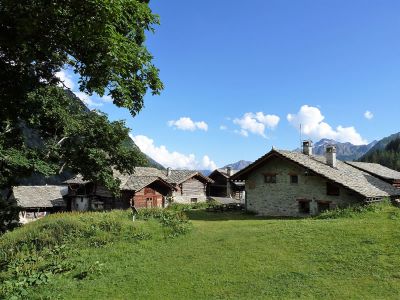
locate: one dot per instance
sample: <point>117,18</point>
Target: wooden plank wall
<point>193,187</point>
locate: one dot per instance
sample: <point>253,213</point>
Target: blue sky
<point>240,76</point>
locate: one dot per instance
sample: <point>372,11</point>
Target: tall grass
<point>32,254</point>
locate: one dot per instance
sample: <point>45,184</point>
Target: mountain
<point>241,164</point>
<point>380,145</point>
<point>152,163</point>
<point>386,152</point>
<point>205,172</point>
<point>344,151</point>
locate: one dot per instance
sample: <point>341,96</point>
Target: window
<point>270,178</point>
<point>323,206</point>
<point>193,200</point>
<point>294,179</point>
<point>332,189</point>
<point>304,206</point>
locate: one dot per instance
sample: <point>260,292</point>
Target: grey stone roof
<point>141,175</point>
<point>78,179</point>
<point>224,172</point>
<point>40,196</point>
<point>136,183</point>
<point>377,169</point>
<point>344,174</point>
<point>179,176</point>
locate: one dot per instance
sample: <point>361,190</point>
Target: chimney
<point>168,172</point>
<point>331,156</point>
<point>229,171</point>
<point>307,147</point>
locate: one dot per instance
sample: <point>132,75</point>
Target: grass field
<point>227,255</point>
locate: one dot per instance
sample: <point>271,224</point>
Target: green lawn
<point>233,255</point>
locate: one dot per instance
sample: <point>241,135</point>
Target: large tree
<point>100,40</point>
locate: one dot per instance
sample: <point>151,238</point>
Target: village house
<point>224,186</point>
<point>39,201</point>
<point>145,187</point>
<point>191,186</point>
<point>288,183</point>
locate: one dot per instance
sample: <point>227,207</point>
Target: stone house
<point>39,201</point>
<point>224,186</point>
<point>288,183</point>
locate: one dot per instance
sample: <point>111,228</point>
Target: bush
<point>197,205</point>
<point>354,211</point>
<point>174,221</point>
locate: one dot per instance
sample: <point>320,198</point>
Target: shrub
<point>354,211</point>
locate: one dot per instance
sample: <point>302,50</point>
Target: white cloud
<point>256,123</point>
<point>172,159</point>
<point>223,127</point>
<point>106,98</point>
<point>368,115</point>
<point>66,79</point>
<point>311,120</point>
<point>186,123</point>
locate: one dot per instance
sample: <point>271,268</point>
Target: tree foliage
<point>44,128</point>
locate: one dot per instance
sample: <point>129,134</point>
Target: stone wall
<point>282,198</point>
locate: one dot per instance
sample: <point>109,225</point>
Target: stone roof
<point>376,169</point>
<point>136,183</point>
<point>78,179</point>
<point>224,172</point>
<point>344,174</point>
<point>143,174</point>
<point>179,176</point>
<point>40,196</point>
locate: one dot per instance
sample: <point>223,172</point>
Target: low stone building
<point>287,183</point>
<point>39,201</point>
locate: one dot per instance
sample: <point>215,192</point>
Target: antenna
<point>301,138</point>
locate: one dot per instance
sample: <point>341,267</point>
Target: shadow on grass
<point>203,215</point>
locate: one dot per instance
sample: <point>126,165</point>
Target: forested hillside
<point>389,156</point>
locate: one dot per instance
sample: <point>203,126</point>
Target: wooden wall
<point>193,187</point>
<point>148,197</point>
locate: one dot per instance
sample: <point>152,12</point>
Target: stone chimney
<point>229,171</point>
<point>168,172</point>
<point>307,147</point>
<point>331,156</point>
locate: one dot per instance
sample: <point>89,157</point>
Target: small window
<point>193,200</point>
<point>332,189</point>
<point>304,206</point>
<point>323,206</point>
<point>270,178</point>
<point>294,179</point>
